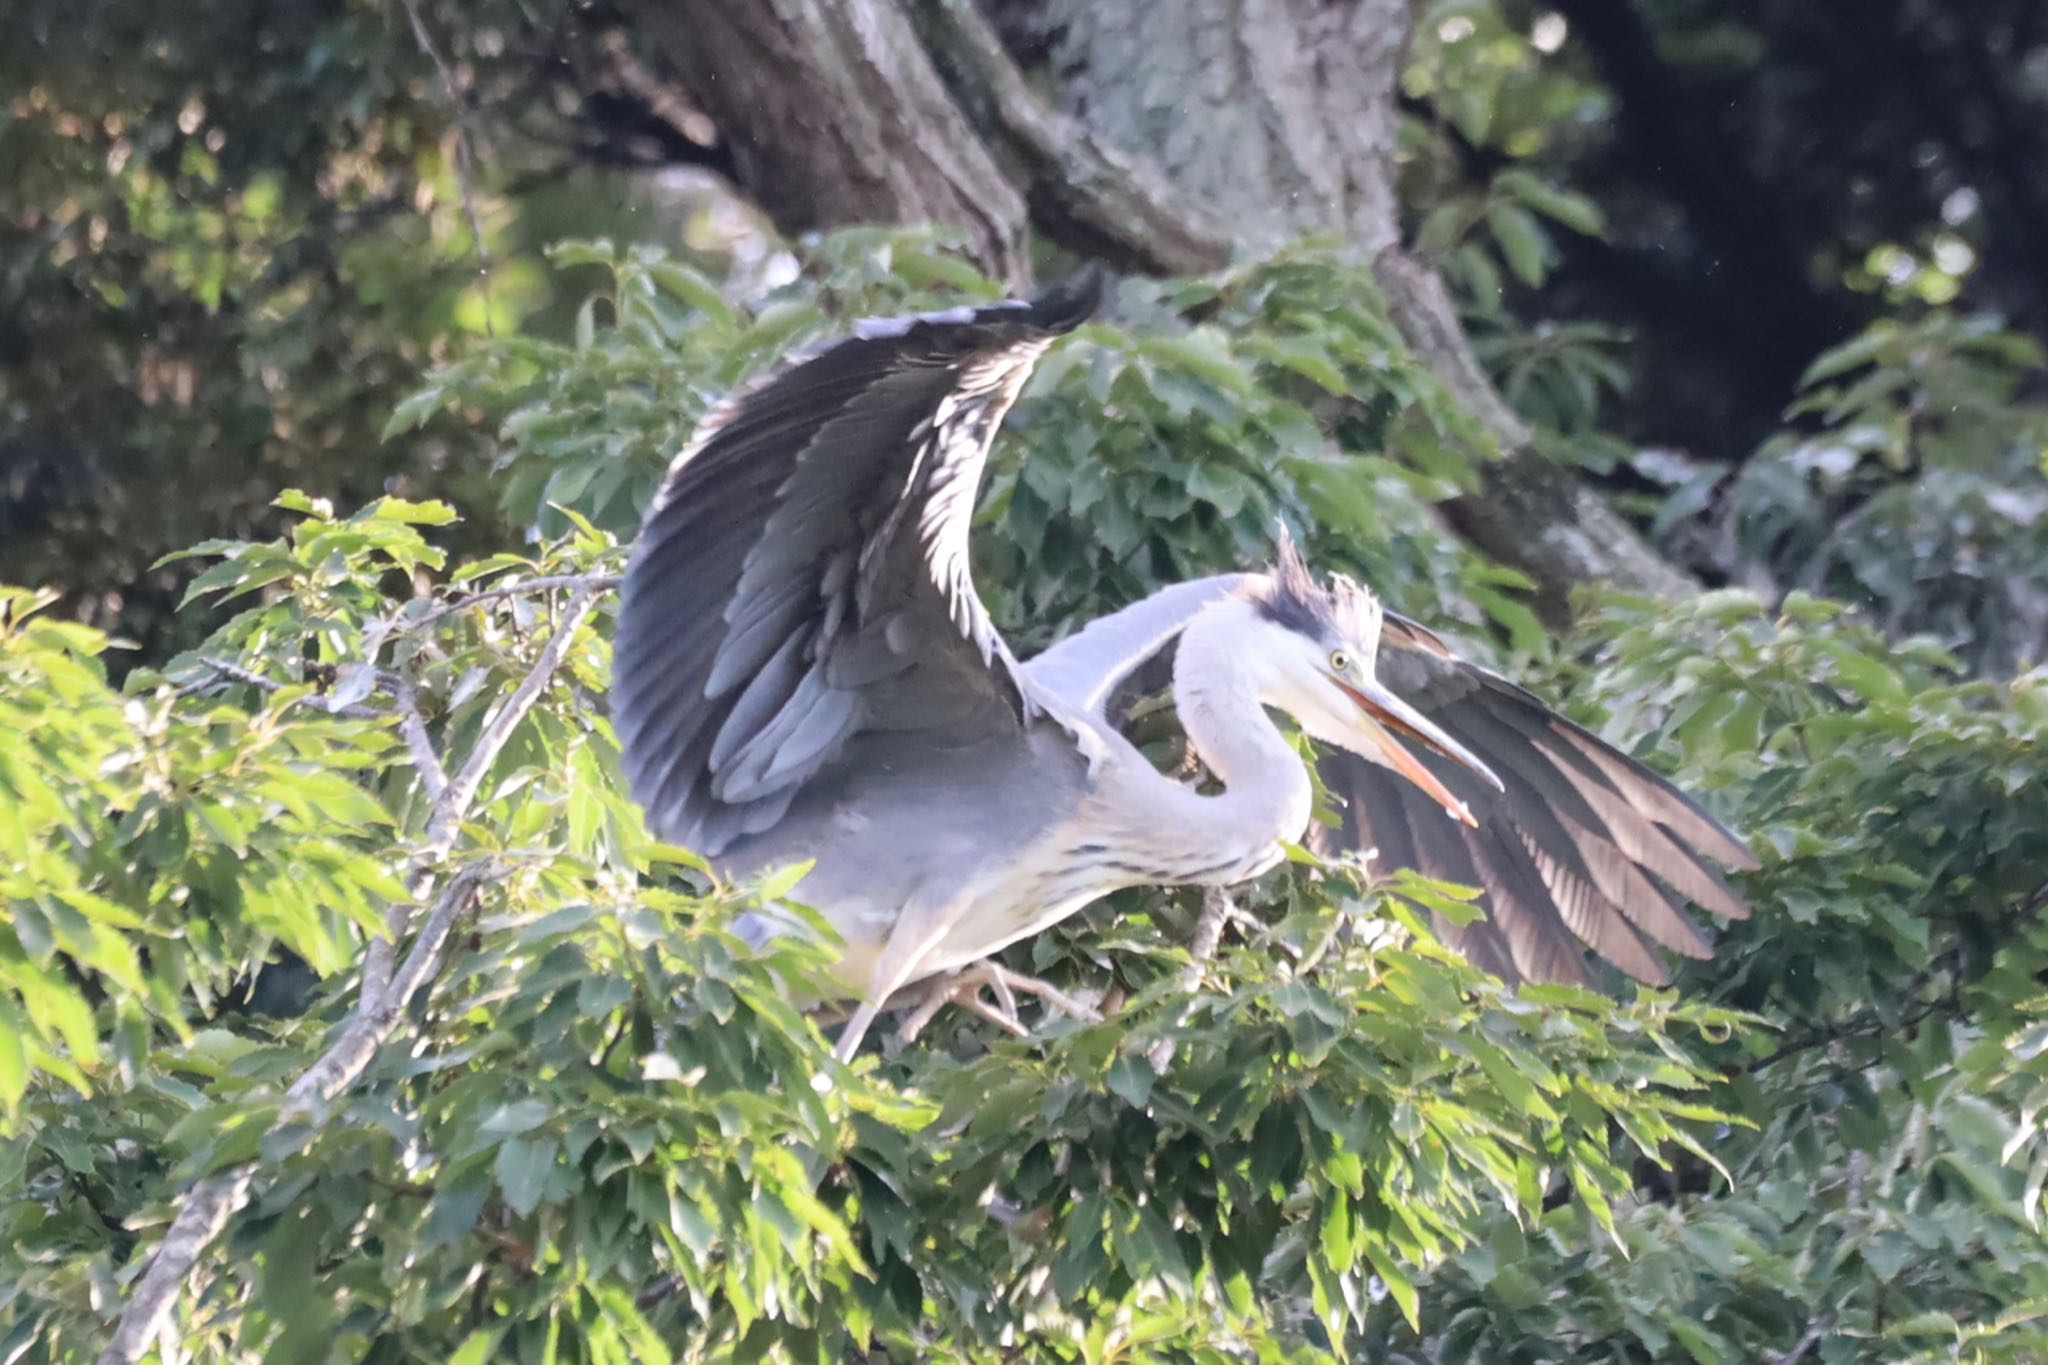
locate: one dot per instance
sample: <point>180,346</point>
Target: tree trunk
<point>1176,135</point>
<point>1284,116</point>
<point>1280,113</point>
<point>835,115</point>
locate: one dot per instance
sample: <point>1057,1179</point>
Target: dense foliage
<point>328,894</point>
<point>601,1131</point>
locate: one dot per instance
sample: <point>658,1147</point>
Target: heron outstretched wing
<point>1584,844</point>
<point>803,574</point>
<point>1086,668</point>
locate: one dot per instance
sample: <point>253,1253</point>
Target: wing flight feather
<point>803,573</point>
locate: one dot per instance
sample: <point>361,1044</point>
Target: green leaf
<point>1575,211</point>
<point>519,1116</point>
<point>1131,1078</point>
<point>693,289</point>
<point>1399,1285</point>
<point>522,1169</point>
<point>13,1057</point>
<point>1521,241</point>
<point>410,412</point>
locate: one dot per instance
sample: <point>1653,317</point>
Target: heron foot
<point>964,988</point>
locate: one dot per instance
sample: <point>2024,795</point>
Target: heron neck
<point>1266,796</point>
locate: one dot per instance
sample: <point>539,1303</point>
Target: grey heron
<point>804,670</point>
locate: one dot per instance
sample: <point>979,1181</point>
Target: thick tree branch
<point>1273,121</point>
<point>835,115</point>
<point>1531,514</point>
<point>381,1000</point>
<point>1084,193</point>
<point>1286,118</point>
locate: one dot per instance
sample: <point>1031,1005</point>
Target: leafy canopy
<point>604,1131</point>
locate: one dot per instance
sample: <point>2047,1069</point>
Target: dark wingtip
<point>1071,302</point>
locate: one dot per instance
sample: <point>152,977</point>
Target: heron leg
<point>964,988</point>
<point>920,928</point>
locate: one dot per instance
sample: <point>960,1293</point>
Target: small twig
<point>237,673</point>
<point>462,788</point>
<point>465,150</point>
<point>547,583</point>
<point>446,815</point>
<point>1815,1330</point>
<point>1864,1027</point>
<point>251,678</point>
<point>1217,911</point>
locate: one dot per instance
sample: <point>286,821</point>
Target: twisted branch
<point>382,999</point>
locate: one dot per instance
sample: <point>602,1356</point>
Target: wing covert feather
<point>1085,669</point>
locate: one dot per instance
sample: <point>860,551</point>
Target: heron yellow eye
<point>1340,662</point>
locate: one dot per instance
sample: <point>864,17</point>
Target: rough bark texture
<point>834,115</point>
<point>1278,112</point>
<point>1176,135</point>
<point>1531,513</point>
<point>1085,193</point>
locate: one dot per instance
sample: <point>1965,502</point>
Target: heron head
<point>1323,671</point>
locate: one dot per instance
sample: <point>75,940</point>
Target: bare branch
<point>381,999</point>
<point>250,678</point>
<point>202,1214</point>
<point>446,815</point>
<point>412,726</point>
<point>237,673</point>
<point>206,1208</point>
<point>462,788</point>
<point>1815,1330</point>
<point>546,583</point>
<point>350,1055</point>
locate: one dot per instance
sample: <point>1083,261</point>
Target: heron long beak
<point>1382,715</point>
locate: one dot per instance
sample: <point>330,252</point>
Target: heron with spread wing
<point>803,670</point>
